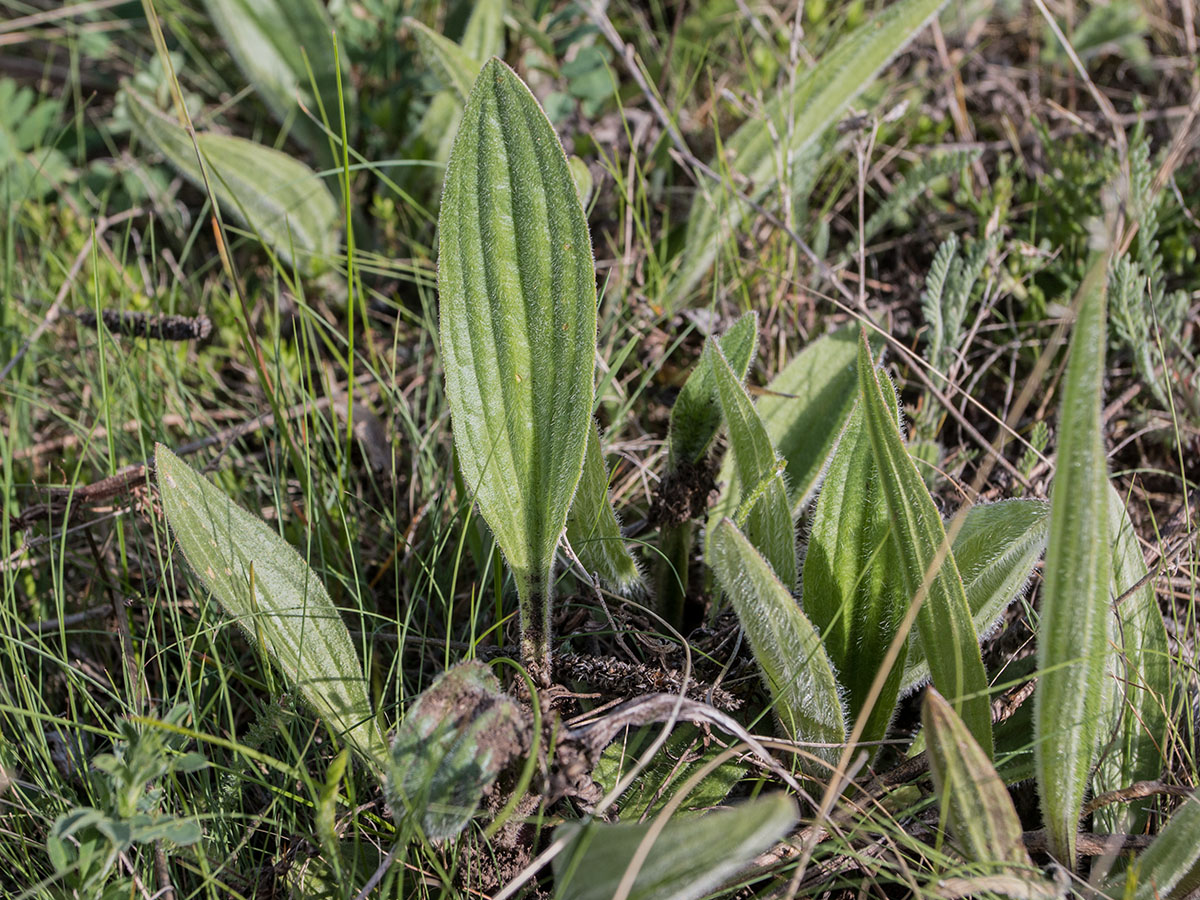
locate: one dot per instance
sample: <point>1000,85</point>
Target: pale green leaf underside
<point>979,810</point>
<point>592,527</point>
<point>1074,629</point>
<point>995,550</point>
<point>518,318</point>
<point>789,652</point>
<point>947,631</point>
<point>1139,667</point>
<point>274,43</point>
<point>689,858</point>
<point>760,151</point>
<point>289,611</point>
<point>768,522</point>
<point>281,200</point>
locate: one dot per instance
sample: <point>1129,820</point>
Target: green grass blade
<point>975,802</point>
<point>283,201</point>
<point>274,43</point>
<point>1073,632</point>
<point>455,67</point>
<point>851,592</point>
<point>696,414</point>
<point>1170,867</point>
<point>947,630</point>
<point>518,328</point>
<point>995,551</point>
<point>1140,669</point>
<point>683,859</point>
<point>592,526</point>
<point>796,119</point>
<point>288,610</point>
<point>789,652</point>
<point>804,408</point>
<point>768,521</point>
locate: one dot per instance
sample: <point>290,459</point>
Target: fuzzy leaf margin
<point>517,285</point>
<point>261,581</point>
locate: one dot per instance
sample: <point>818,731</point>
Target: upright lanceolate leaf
<point>805,408</point>
<point>592,526</point>
<point>689,857</point>
<point>695,421</point>
<point>455,67</point>
<point>1139,668</point>
<point>281,200</point>
<point>262,582</point>
<point>944,618</point>
<point>768,521</point>
<point>995,551</point>
<point>696,414</point>
<point>276,43</point>
<point>483,37</point>
<point>1074,629</point>
<point>760,152</point>
<point>793,661</point>
<point>1170,867</point>
<point>974,800</point>
<point>518,328</point>
<point>851,592</point>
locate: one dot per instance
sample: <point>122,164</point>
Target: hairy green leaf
<point>790,124</point>
<point>793,661</point>
<point>944,618</point>
<point>695,422</point>
<point>804,408</point>
<point>455,67</point>
<point>1170,867</point>
<point>975,803</point>
<point>459,734</point>
<point>281,200</point>
<point>679,860</point>
<point>696,414</point>
<point>768,518</point>
<point>261,581</point>
<point>275,43</point>
<point>518,327</point>
<point>592,527</point>
<point>995,550</point>
<point>483,37</point>
<point>1074,629</point>
<point>1139,668</point>
<point>851,592</point>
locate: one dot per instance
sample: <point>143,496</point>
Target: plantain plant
<point>517,285</point>
<point>881,597</point>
